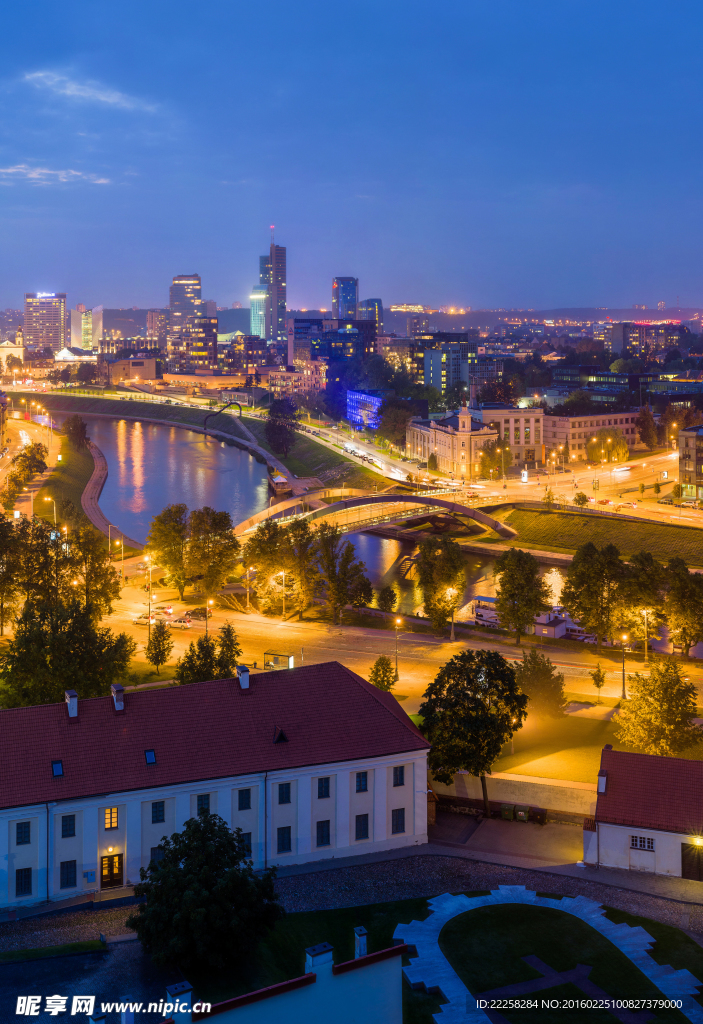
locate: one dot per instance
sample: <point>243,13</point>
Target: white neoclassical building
<point>311,763</point>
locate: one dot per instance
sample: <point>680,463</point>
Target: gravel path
<point>419,876</point>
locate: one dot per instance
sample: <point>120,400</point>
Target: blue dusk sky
<point>502,153</point>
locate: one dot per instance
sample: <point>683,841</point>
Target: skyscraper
<point>45,319</point>
<point>277,294</point>
<point>185,304</point>
<point>156,327</point>
<point>345,298</point>
<point>81,322</point>
<point>258,303</point>
<point>200,344</point>
<point>372,309</point>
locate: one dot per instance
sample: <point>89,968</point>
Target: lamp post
<point>207,613</point>
<point>451,592</point>
<point>283,573</point>
<point>624,641</point>
<point>148,559</point>
<point>54,504</point>
<point>397,627</point>
<point>646,637</point>
<point>121,546</point>
<point>31,495</point>
<point>248,572</point>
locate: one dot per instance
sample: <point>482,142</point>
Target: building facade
<point>311,763</point>
<point>522,429</point>
<point>372,309</point>
<point>305,377</point>
<point>456,442</point>
<point>364,407</point>
<point>157,327</point>
<point>185,306</point>
<point>277,295</point>
<point>258,302</point>
<point>345,298</point>
<point>691,462</point>
<point>45,320</point>
<point>574,432</point>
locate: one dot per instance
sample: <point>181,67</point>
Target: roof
<point>202,731</point>
<point>648,791</point>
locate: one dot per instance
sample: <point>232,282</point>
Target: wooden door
<point>692,861</point>
<point>111,871</point>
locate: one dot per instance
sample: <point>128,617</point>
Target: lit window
<point>111,818</point>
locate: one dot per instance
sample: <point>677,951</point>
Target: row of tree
<point>26,463</point>
<point>197,547</point>
<point>606,595</point>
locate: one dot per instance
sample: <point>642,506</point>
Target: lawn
<point>485,947</point>
<point>67,949</point>
<point>566,531</point>
<point>68,480</point>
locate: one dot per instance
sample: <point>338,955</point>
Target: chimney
<point>117,692</point>
<point>243,676</point>
<point>359,942</point>
<point>317,956</point>
<point>71,698</point>
<point>602,779</point>
<point>178,1002</point>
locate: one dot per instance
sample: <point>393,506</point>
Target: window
<point>399,775</point>
<point>641,843</point>
<point>203,802</point>
<point>362,782</point>
<point>323,833</point>
<point>68,874</point>
<point>323,788</point>
<point>150,756</point>
<point>158,812</point>
<point>157,854</point>
<point>68,826</point>
<point>111,818</point>
<point>362,826</point>
<point>246,839</point>
<point>398,820</point>
<point>22,833</point>
<point>283,838</point>
<point>23,882</point>
<point>284,792</point>
<point>244,800</point>
<point>57,769</point>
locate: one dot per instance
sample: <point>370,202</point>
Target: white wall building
<point>456,441</point>
<point>311,763</point>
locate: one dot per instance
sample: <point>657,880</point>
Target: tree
<point>537,677</point>
<point>682,605</point>
<point>657,488</point>
<point>229,651</point>
<point>93,570</point>
<point>210,657</point>
<point>13,363</point>
<point>495,457</point>
<point>31,459</point>
<point>387,599</point>
<point>658,718</point>
<point>265,551</point>
<point>642,590</point>
<point>340,571</point>
<point>609,445</point>
<point>432,462</point>
<point>598,677</point>
<point>676,492</point>
<point>300,557</point>
<point>522,592</point>
<point>470,709</point>
<point>502,391</point>
<point>441,572</point>
<point>58,647</point>
<point>580,499</point>
<point>213,549</point>
<point>382,674</point>
<point>9,574</point>
<point>160,645</point>
<point>548,499</point>
<point>76,431</point>
<point>280,426</point>
<point>591,589</point>
<point>394,416</point>
<point>87,372</point>
<point>204,907</point>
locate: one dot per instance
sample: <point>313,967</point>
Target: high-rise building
<point>81,327</point>
<point>345,298</point>
<point>156,329</point>
<point>258,304</point>
<point>97,312</point>
<point>277,294</point>
<point>417,325</point>
<point>210,307</point>
<point>45,319</point>
<point>185,306</point>
<point>372,309</point>
<point>199,344</point>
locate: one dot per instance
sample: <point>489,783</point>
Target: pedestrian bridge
<point>363,511</point>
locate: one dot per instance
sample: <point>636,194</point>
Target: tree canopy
<point>209,657</point>
<point>538,678</point>
<point>590,592</point>
<point>280,426</point>
<point>76,430</point>
<point>658,717</point>
<point>441,572</point>
<point>522,592</point>
<point>382,674</point>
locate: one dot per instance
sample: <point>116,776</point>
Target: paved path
<point>91,495</point>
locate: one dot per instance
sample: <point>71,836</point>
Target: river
<point>151,465</point>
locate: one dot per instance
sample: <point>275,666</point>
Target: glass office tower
<point>372,309</point>
<point>345,298</point>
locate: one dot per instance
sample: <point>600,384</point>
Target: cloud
<point>46,176</point>
<point>91,92</point>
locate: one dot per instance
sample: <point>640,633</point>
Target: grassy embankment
<point>67,949</point>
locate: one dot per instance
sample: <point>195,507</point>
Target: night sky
<point>494,154</point>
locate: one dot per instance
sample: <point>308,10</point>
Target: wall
<point>552,795</point>
<point>615,851</point>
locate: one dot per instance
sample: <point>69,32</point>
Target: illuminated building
<point>455,441</point>
<point>277,295</point>
<point>81,327</point>
<point>345,298</point>
<point>200,344</point>
<point>405,308</point>
<point>364,407</point>
<point>315,338</point>
<point>417,325</point>
<point>372,309</point>
<point>185,304</point>
<point>156,326</point>
<point>45,322</point>
<point>258,301</point>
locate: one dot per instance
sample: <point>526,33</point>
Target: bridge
<point>362,511</point>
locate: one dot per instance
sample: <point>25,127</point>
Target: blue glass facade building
<point>364,407</point>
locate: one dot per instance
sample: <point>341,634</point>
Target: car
<point>689,504</point>
<point>201,613</point>
<point>141,565</point>
<point>665,501</point>
<point>604,501</point>
<point>622,469</point>
<point>167,609</point>
<point>181,622</point>
<point>144,620</point>
<point>626,504</point>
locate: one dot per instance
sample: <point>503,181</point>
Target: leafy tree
<point>210,657</point>
<point>266,552</point>
<point>598,677</point>
<point>590,592</point>
<point>213,550</point>
<point>90,562</point>
<point>580,499</point>
<point>432,462</point>
<point>160,645</point>
<point>497,391</point>
<point>13,363</point>
<point>607,444</point>
<point>229,651</point>
<point>300,558</point>
<point>387,599</point>
<point>495,456</point>
<point>470,709</point>
<point>394,416</point>
<point>441,574</point>
<point>537,677</point>
<point>76,430</point>
<point>58,647</point>
<point>641,489</point>
<point>31,459</point>
<point>642,589</point>
<point>676,491</point>
<point>548,499</point>
<point>522,592</point>
<point>340,571</point>
<point>683,602</point>
<point>168,544</point>
<point>382,674</point>
<point>86,373</point>
<point>204,907</point>
<point>658,718</point>
<point>361,591</point>
<point>280,426</point>
<point>9,572</point>
<point>657,488</point>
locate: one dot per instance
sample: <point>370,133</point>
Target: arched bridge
<point>359,513</point>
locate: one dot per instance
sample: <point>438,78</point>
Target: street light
<point>624,641</point>
<point>119,544</point>
<point>31,495</point>
<point>646,638</point>
<point>397,627</point>
<point>451,592</point>
<point>54,503</point>
<point>207,613</point>
<point>283,573</point>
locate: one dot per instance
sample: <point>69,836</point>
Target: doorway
<point>111,871</point>
<point>692,861</point>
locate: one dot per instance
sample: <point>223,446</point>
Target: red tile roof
<point>647,791</point>
<point>202,731</point>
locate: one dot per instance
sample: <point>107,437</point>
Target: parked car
<point>604,501</point>
<point>201,613</point>
<point>181,622</point>
<point>665,501</point>
<point>689,504</point>
<point>626,504</point>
